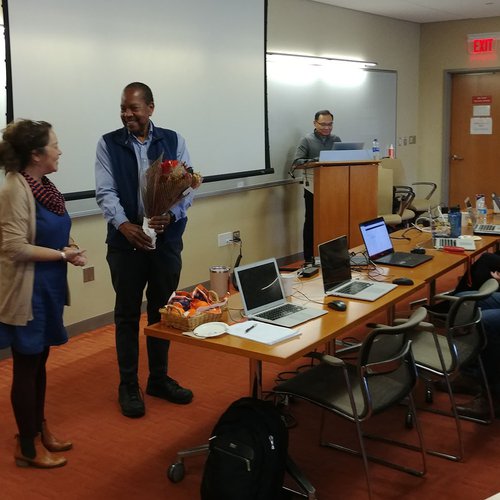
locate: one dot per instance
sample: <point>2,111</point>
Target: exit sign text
<point>482,46</point>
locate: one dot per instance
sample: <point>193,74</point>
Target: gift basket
<point>186,311</point>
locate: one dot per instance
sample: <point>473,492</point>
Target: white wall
<point>270,219</point>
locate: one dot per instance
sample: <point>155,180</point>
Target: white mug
<point>288,281</point>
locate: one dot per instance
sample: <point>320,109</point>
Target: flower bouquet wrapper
<point>149,231</point>
<point>163,185</point>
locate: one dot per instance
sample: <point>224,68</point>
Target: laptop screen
<point>260,285</point>
<point>350,146</point>
<point>376,238</point>
<point>335,262</point>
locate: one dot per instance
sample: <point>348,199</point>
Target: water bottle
<point>376,149</point>
<point>455,221</point>
<point>390,152</point>
<point>481,210</point>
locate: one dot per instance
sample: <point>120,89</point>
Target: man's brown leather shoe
<point>51,442</point>
<point>43,458</point>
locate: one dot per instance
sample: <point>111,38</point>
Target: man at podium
<point>320,139</point>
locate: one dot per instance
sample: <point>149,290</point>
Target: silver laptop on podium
<point>348,151</point>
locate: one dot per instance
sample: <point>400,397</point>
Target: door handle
<point>456,157</point>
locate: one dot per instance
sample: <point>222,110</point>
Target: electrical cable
<point>236,264</point>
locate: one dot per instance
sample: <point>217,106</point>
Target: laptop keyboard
<point>447,242</point>
<point>353,288</point>
<point>486,227</point>
<point>280,312</point>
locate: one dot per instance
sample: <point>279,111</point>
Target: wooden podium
<point>345,194</point>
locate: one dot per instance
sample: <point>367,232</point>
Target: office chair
<point>383,376</point>
<point>394,201</point>
<point>453,340</point>
<point>403,197</point>
<point>423,189</point>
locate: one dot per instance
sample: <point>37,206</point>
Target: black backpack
<point>248,453</point>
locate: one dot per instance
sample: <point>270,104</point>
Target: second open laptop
<point>379,246</point>
<point>337,278</point>
<point>263,296</point>
<point>493,229</point>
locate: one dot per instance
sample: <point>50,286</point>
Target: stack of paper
<point>261,332</point>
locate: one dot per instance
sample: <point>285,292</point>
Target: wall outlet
<point>88,274</point>
<point>224,239</point>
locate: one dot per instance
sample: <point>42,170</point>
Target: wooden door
<point>474,164</point>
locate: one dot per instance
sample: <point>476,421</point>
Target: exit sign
<point>485,43</point>
<point>483,46</point>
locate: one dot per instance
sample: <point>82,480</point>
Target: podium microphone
<point>300,161</point>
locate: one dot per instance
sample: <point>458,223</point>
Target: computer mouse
<point>403,281</point>
<point>418,250</point>
<point>337,305</point>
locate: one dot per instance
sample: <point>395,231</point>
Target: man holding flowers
<point>136,261</point>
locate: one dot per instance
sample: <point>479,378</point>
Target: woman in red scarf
<point>35,248</point>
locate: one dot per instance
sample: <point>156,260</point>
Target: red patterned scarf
<point>47,194</point>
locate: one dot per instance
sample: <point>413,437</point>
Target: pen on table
<point>250,327</point>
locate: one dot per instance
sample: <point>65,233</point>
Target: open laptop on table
<point>337,278</point>
<point>493,229</point>
<point>263,297</point>
<point>379,246</point>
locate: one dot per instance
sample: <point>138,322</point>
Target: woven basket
<point>171,316</point>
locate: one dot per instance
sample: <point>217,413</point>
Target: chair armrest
<point>446,296</point>
<point>333,361</point>
<point>421,327</point>
<point>432,185</point>
<point>347,350</point>
<point>374,325</point>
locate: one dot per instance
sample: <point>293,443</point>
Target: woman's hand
<point>75,256</point>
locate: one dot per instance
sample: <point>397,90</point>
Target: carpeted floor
<point>119,458</point>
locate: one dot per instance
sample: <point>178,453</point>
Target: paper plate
<point>212,329</point>
<point>469,237</point>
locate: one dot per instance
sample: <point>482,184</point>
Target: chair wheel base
<point>176,472</point>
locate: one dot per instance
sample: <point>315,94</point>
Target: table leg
<point>255,371</point>
<point>432,291</point>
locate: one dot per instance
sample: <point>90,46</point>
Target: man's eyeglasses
<point>324,125</point>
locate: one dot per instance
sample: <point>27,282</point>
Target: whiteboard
<point>204,61</point>
<point>363,103</point>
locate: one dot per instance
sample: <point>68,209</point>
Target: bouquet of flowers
<point>163,184</point>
